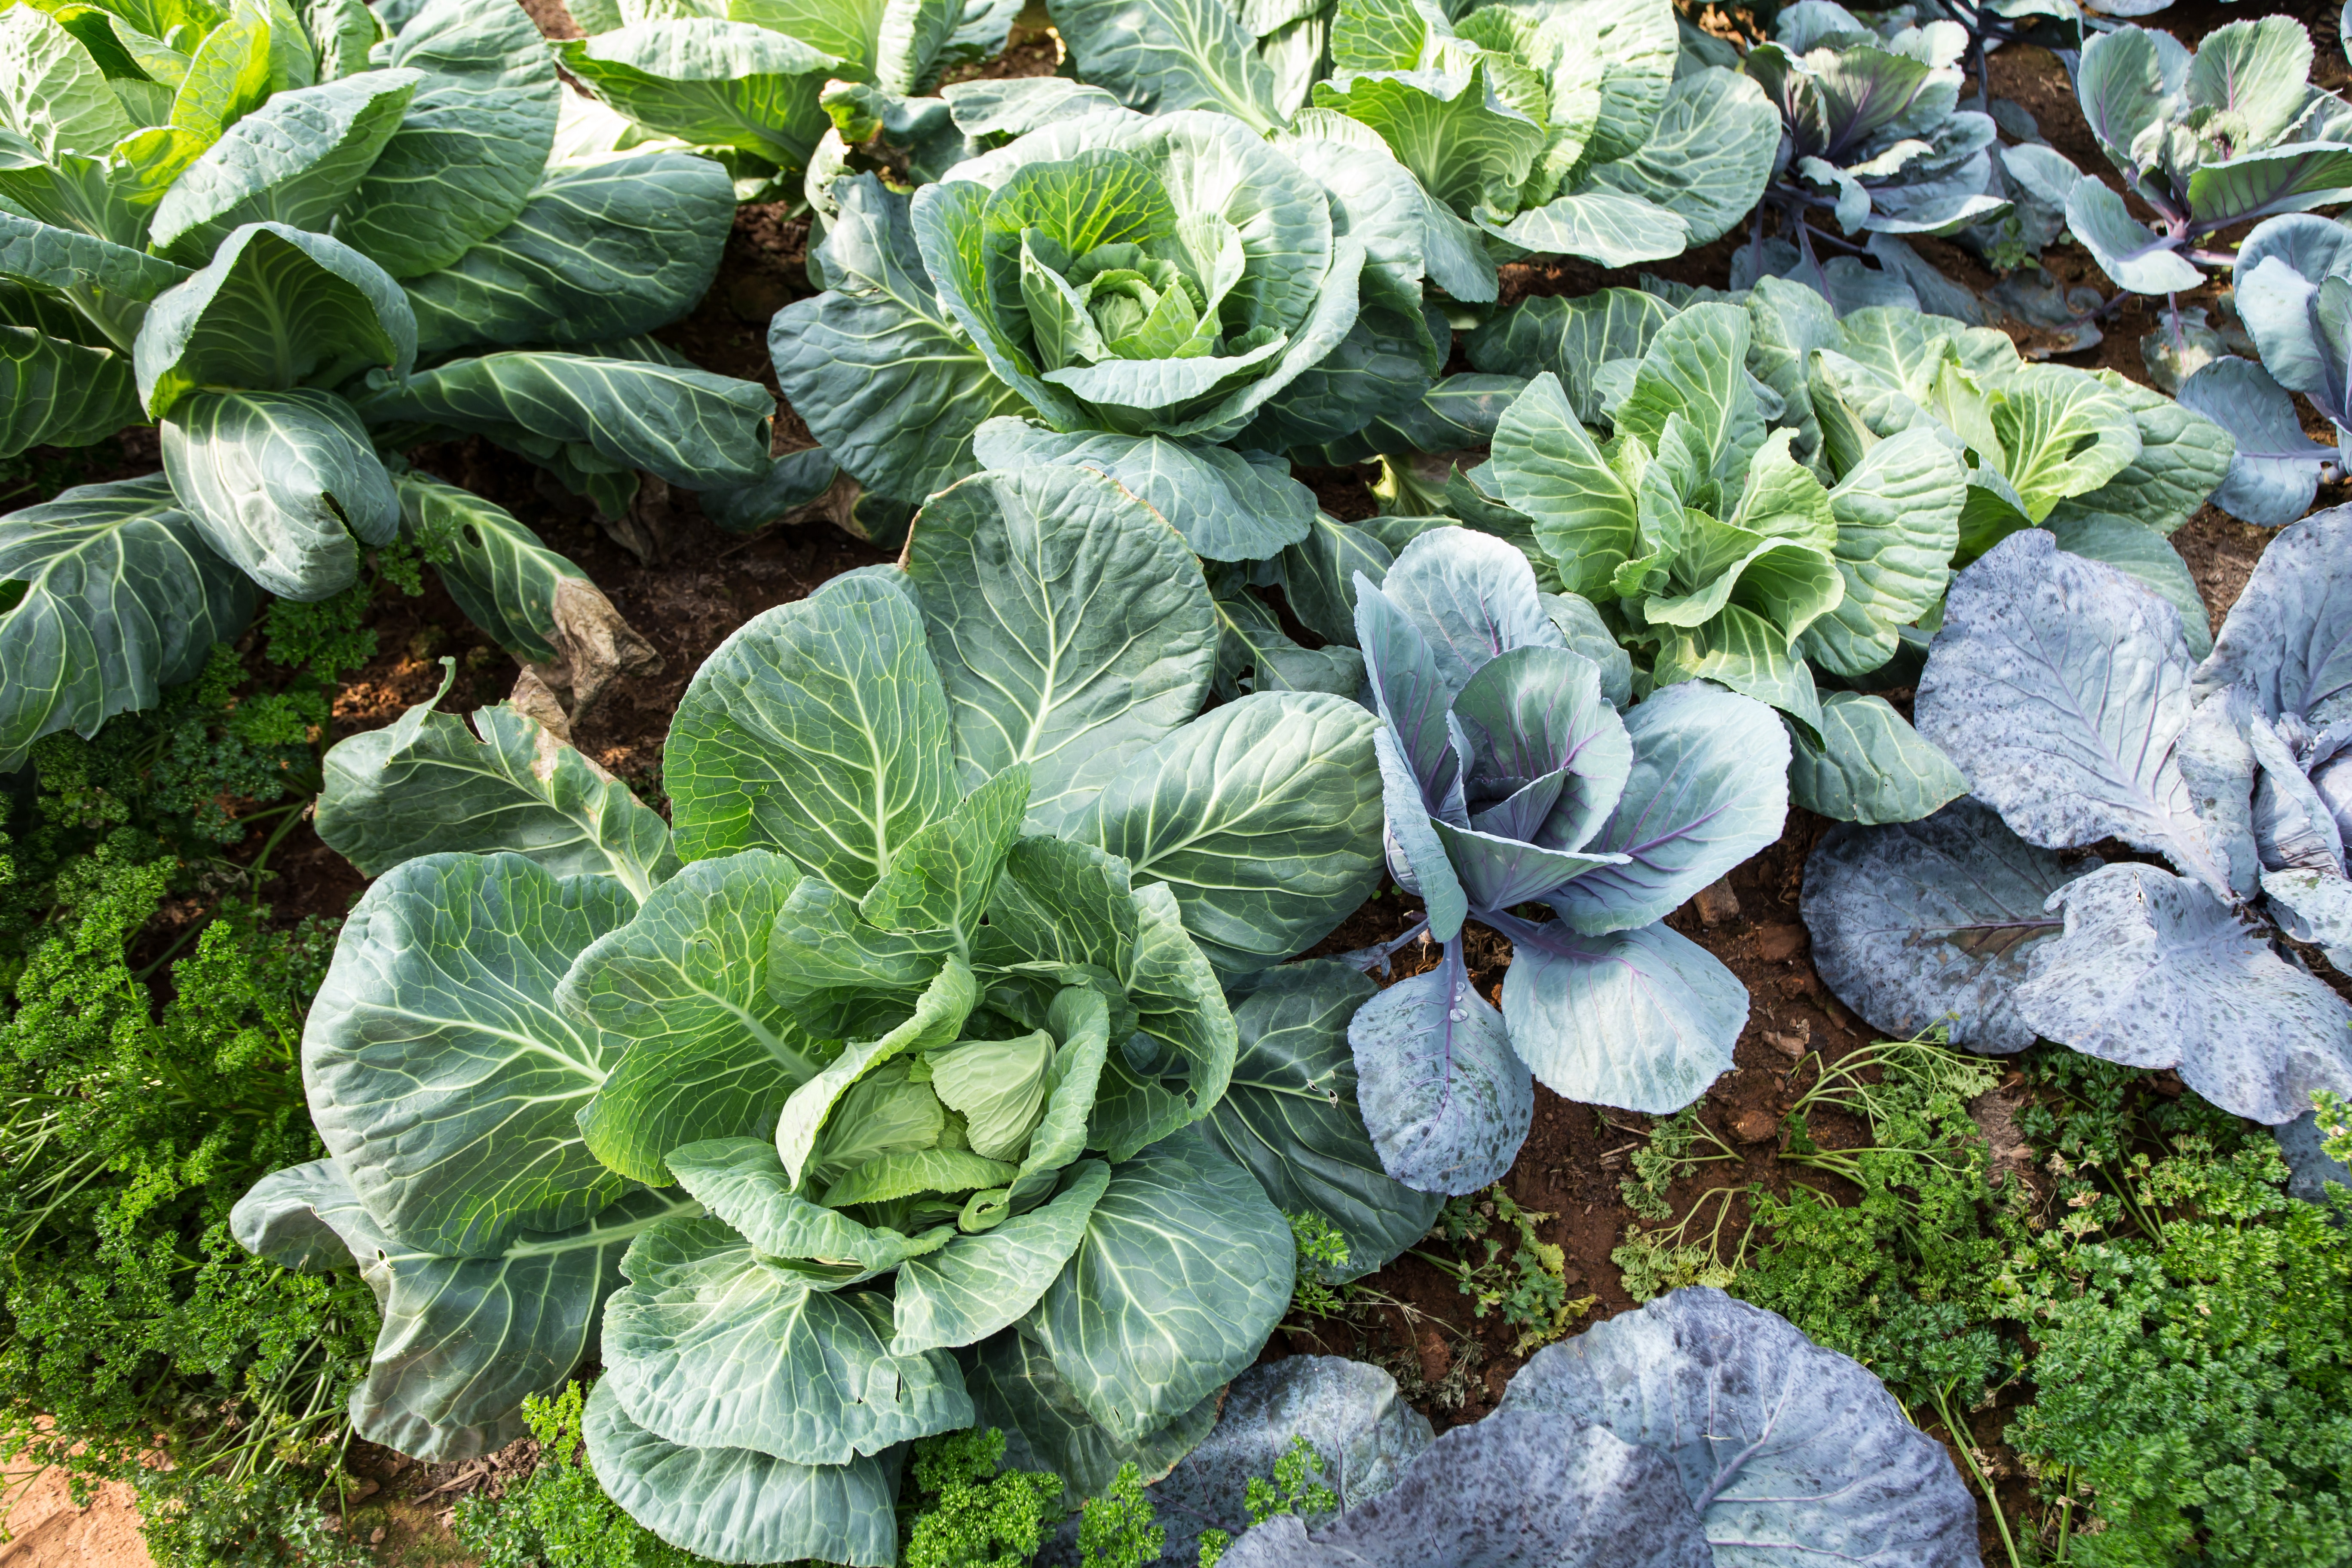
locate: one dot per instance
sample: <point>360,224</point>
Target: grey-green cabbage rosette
<point>1872,137</point>
<point>745,80</point>
<point>856,1106</point>
<point>1169,300</point>
<point>1557,127</point>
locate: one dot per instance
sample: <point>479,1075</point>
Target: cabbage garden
<point>1268,782</point>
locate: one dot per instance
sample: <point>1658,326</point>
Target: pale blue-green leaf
<point>1290,1114</point>
<point>835,970</point>
<point>1642,1019</point>
<point>427,784</point>
<point>691,427</point>
<point>1319,575</point>
<point>121,598</point>
<point>886,380</point>
<point>1014,106</point>
<point>1570,338</point>
<point>469,149</point>
<point>1184,1269</point>
<point>274,307</point>
<point>1226,508</point>
<point>1263,817</point>
<point>1070,624</point>
<point>62,258</point>
<point>1869,766</point>
<point>979,1284</point>
<point>681,992</point>
<point>738,1505</point>
<point>280,483</point>
<point>464,1341</point>
<point>1378,370</point>
<point>1709,787</point>
<point>55,393</point>
<point>1898,517</point>
<point>2273,466</point>
<point>713,1347</point>
<point>1920,923</point>
<point>743,1181</point>
<point>2124,249</point>
<point>1348,1412</point>
<point>1511,1489</point>
<point>1776,1439</point>
<point>598,250</point>
<point>1446,1101</point>
<point>2149,559</point>
<point>710,83</point>
<point>1160,55</point>
<point>2290,631</point>
<point>294,161</point>
<point>2059,686</point>
<point>1708,156</point>
<point>1252,646</point>
<point>1743,651</point>
<point>2153,971</point>
<point>441,1073</point>
<point>1610,228</point>
<point>1472,597</point>
<point>1015,1388</point>
<point>54,93</point>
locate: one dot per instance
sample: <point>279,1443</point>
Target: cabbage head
<point>1169,300</point>
<point>1557,127</point>
<point>1515,770</point>
<point>747,79</point>
<point>889,1088</point>
<point>1872,139</point>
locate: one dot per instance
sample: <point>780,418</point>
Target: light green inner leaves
<point>999,1086</point>
<point>882,1114</point>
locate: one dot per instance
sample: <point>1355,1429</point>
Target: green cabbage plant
<point>1557,127</point>
<point>1174,301</point>
<point>890,1088</point>
<point>747,79</point>
<point>287,258</point>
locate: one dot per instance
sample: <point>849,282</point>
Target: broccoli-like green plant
<point>1322,1262</point>
<point>135,1114</point>
<point>1117,1529</point>
<point>559,1517</point>
<point>973,1514</point>
<point>2192,1384</point>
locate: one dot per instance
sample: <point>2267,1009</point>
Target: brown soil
<point>45,1530</point>
<point>704,584</point>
